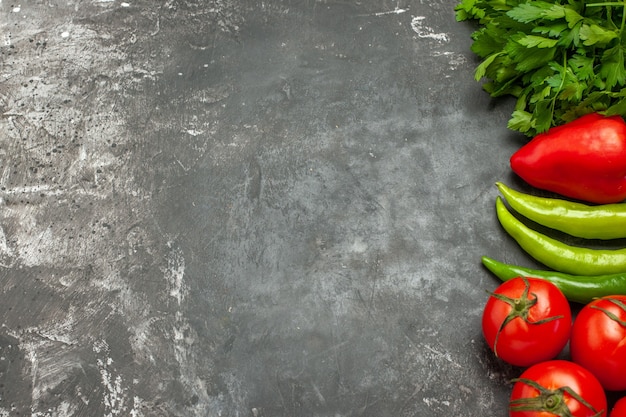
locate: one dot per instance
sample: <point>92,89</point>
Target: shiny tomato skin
<point>599,343</point>
<point>619,409</point>
<point>521,343</point>
<point>556,374</point>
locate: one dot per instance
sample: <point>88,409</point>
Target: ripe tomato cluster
<point>528,322</point>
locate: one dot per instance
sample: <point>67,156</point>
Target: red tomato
<point>557,388</point>
<point>599,340</point>
<point>619,409</point>
<point>527,321</point>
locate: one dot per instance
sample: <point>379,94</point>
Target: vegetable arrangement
<point>563,60</point>
<point>598,335</point>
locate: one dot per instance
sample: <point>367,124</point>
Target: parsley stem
<point>608,3</point>
<point>621,29</point>
<point>556,94</point>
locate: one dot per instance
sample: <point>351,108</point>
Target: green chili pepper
<point>606,221</point>
<point>558,255</point>
<point>577,288</point>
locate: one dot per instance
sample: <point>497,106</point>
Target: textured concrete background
<point>246,208</point>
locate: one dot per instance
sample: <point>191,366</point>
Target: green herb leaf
<point>552,30</point>
<point>525,58</point>
<point>531,11</point>
<point>481,70</point>
<point>619,108</point>
<point>594,34</point>
<point>582,66</point>
<point>571,16</point>
<point>532,41</point>
<point>520,121</point>
<point>612,68</point>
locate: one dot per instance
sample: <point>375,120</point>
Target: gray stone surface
<point>246,208</point>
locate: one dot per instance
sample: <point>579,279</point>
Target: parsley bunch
<point>561,59</point>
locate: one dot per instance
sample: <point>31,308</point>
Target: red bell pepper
<point>584,159</point>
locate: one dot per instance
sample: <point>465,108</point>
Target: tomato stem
<point>551,401</point>
<point>611,315</point>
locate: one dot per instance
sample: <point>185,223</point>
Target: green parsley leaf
<point>532,41</point>
<point>612,67</point>
<point>572,17</point>
<point>582,66</point>
<point>570,37</point>
<point>541,94</point>
<point>481,70</point>
<point>542,115</point>
<point>487,42</point>
<point>530,11</point>
<point>526,58</point>
<point>520,121</point>
<point>552,30</point>
<point>594,34</point>
<point>617,109</point>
